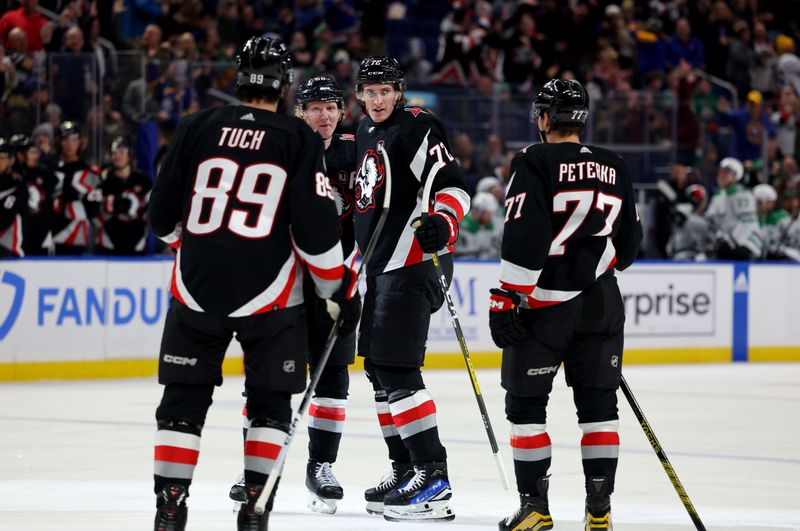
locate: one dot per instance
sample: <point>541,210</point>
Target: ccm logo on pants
<point>179,360</point>
<point>542,370</point>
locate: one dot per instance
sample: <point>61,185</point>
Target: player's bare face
<point>380,99</point>
<point>322,117</point>
<point>5,162</point>
<point>120,158</point>
<point>70,146</point>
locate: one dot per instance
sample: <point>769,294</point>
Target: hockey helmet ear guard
<point>564,100</point>
<point>380,69</point>
<point>264,62</point>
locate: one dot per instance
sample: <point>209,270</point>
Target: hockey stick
<point>659,450</point>
<point>487,424</point>
<point>261,503</point>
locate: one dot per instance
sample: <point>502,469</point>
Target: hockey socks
<point>264,441</point>
<point>600,452</point>
<point>325,425</point>
<point>397,450</point>
<point>177,448</point>
<point>414,417</point>
<point>532,451</point>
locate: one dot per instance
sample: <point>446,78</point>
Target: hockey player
<point>479,236</point>
<point>13,204</point>
<point>402,289</point>
<point>320,103</point>
<point>242,196</point>
<point>77,194</point>
<point>773,221</point>
<point>571,222</point>
<point>122,229</point>
<point>732,214</point>
<point>37,239</point>
<point>691,237</point>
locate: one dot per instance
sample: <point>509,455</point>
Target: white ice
<point>78,455</point>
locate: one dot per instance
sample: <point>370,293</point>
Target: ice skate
<point>324,490</point>
<point>237,493</point>
<point>425,496</point>
<point>171,508</point>
<point>390,481</point>
<point>533,513</point>
<point>248,520</point>
<point>598,505</point>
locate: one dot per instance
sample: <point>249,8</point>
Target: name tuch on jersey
<point>236,137</point>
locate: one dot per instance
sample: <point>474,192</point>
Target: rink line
<point>446,440</point>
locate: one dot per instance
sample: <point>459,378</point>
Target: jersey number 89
<point>219,196</point>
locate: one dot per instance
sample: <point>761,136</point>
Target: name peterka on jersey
<point>236,137</point>
<point>579,171</point>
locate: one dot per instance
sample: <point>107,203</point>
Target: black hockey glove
<point>435,231</point>
<point>504,319</point>
<point>349,306</point>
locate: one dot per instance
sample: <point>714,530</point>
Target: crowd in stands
<point>710,79</point>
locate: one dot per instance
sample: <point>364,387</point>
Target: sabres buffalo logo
<point>368,179</point>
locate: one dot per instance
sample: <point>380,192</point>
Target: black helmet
<point>5,147</point>
<point>264,62</point>
<point>380,69</point>
<point>67,129</point>
<point>320,88</point>
<point>564,100</point>
<point>20,142</point>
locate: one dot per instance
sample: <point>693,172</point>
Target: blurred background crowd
<point>90,92</point>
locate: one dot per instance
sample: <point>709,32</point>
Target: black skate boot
<point>171,508</point>
<point>237,492</point>
<point>323,488</point>
<point>248,520</point>
<point>598,505</point>
<point>425,496</point>
<point>533,513</point>
<point>390,481</point>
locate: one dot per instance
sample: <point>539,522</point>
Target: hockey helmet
<point>120,142</point>
<point>485,202</point>
<point>564,100</point>
<point>20,142</point>
<point>765,192</point>
<point>68,129</point>
<point>380,69</point>
<point>733,164</point>
<point>264,62</point>
<point>320,88</point>
<point>5,147</point>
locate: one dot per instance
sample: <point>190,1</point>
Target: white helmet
<point>765,192</point>
<point>485,202</point>
<point>487,183</point>
<point>733,164</point>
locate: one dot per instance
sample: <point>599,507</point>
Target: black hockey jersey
<point>77,200</point>
<point>13,210</point>
<point>570,217</point>
<point>41,182</point>
<point>122,228</point>
<point>242,195</point>
<point>414,140</point>
<point>340,167</point>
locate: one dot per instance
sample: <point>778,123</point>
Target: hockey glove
<point>435,231</point>
<point>504,319</point>
<point>349,306</point>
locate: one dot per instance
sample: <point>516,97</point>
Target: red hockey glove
<point>504,319</point>
<point>435,231</point>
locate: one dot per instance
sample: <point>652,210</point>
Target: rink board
<point>100,318</point>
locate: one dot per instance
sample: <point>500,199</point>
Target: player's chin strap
<point>426,198</point>
<point>277,467</point>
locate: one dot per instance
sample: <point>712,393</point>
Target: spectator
<point>786,119</point>
<point>762,76</point>
<point>122,229</point>
<point>464,152</point>
<point>105,55</point>
<point>653,49</point>
<point>478,234</point>
<point>716,39</point>
<point>683,46</point>
<point>524,51</point>
<point>492,155</point>
<point>138,14</point>
<point>788,65</point>
<point>27,18</point>
<point>415,63</point>
<point>740,59</point>
<point>459,61</point>
<point>688,129</point>
<point>752,128</point>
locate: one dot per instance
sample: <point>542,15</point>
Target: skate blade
<point>321,505</point>
<point>375,507</point>
<point>421,512</point>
